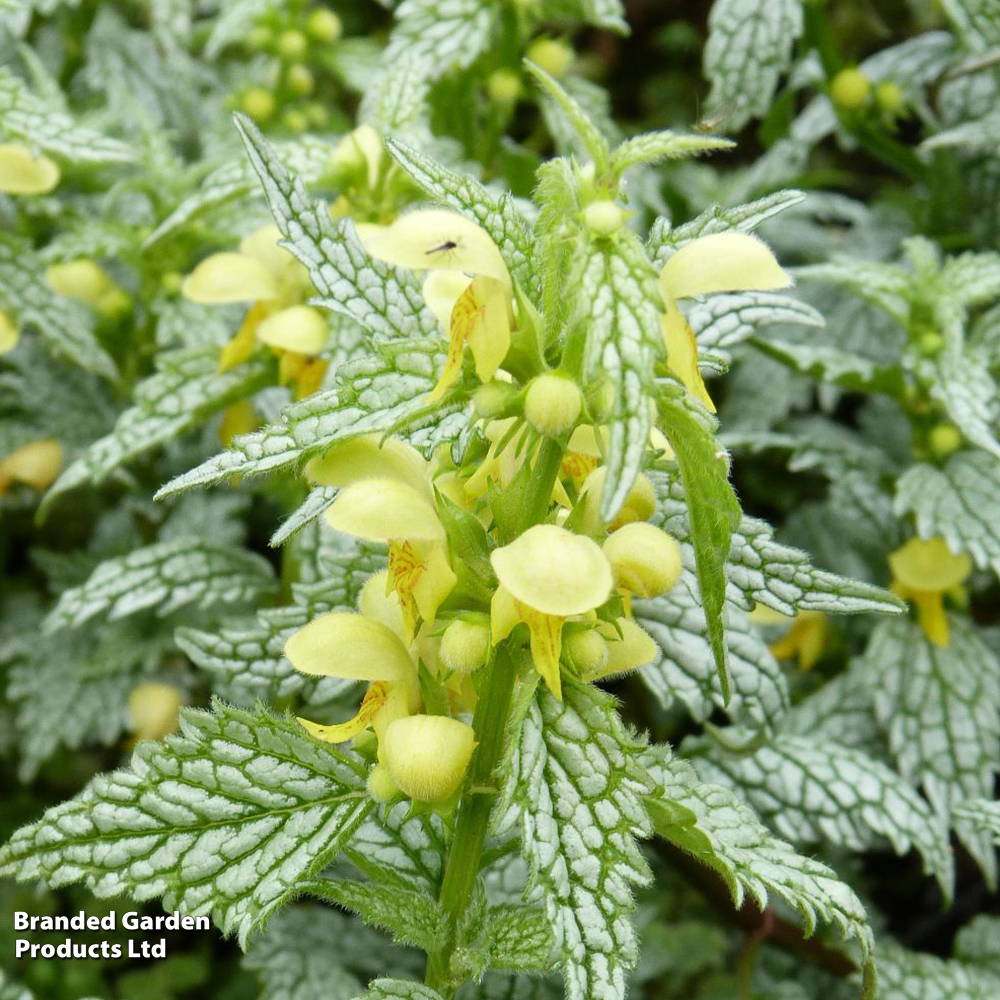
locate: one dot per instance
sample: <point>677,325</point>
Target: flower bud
<point>114,303</point>
<point>944,439</point>
<point>603,218</point>
<point>301,80</point>
<point>850,89</point>
<point>645,559</point>
<point>493,399</point>
<point>552,404</point>
<point>889,97</point>
<point>553,55</point>
<point>260,38</point>
<point>428,755</point>
<point>639,503</point>
<point>504,86</point>
<point>930,343</point>
<point>465,645</point>
<point>153,710</point>
<point>78,279</point>
<point>381,787</point>
<point>588,651</point>
<point>317,114</point>
<point>259,104</point>
<point>294,120</point>
<point>9,333</point>
<point>292,44</point>
<point>21,172</point>
<point>324,26</point>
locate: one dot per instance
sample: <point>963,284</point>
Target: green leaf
<point>601,13</point>
<point>664,240</point>
<point>910,975</point>
<point>828,364</point>
<point>395,847</point>
<point>579,790</point>
<point>66,326</point>
<point>25,116</point>
<point>235,21</point>
<point>959,501</point>
<point>655,147</point>
<point>443,35</point>
<point>723,321</point>
<point>306,157</point>
<point>710,822</point>
<point>812,790</point>
<point>961,382</point>
<point>409,916</point>
<point>617,313</point>
<point>312,952</point>
<point>749,48</point>
<point>227,818</point>
<point>685,668</point>
<point>9,990</point>
<point>398,989</point>
<point>713,515</point>
<point>184,393</point>
<point>940,708</point>
<point>595,143</point>
<point>984,814</point>
<point>383,393</point>
<point>247,663</point>
<point>301,955</point>
<point>385,300</point>
<point>518,938</point>
<point>978,943</point>
<point>890,287</point>
<point>976,22</point>
<point>972,278</point>
<point>499,218</point>
<point>762,571</point>
<point>166,575</point>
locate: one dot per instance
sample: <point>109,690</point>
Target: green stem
<point>465,854</point>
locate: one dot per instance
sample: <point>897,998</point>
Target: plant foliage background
<point>798,787</point>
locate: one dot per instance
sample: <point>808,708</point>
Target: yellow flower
<point>468,287</point>
<point>547,575</point>
<point>721,262</point>
<point>36,465</point>
<point>399,511</point>
<point>276,284</point>
<point>21,172</point>
<point>923,570</point>
<point>805,640</point>
<point>9,333</point>
<point>350,646</point>
<point>153,710</point>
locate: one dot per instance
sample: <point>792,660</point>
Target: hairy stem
<point>466,851</point>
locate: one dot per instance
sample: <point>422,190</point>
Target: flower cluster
<point>559,586</point>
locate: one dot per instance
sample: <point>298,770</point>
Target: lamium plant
<point>385,430</point>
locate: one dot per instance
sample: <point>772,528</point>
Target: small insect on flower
<point>468,286</point>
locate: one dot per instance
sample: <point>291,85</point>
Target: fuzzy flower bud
<point>381,787</point>
<point>645,559</point>
<point>552,405</point>
<point>292,44</point>
<point>78,279</point>
<point>553,55</point>
<point>850,89</point>
<point>504,86</point>
<point>301,80</point>
<point>944,439</point>
<point>324,26</point>
<point>889,97</point>
<point>588,651</point>
<point>427,755</point>
<point>465,646</point>
<point>259,104</point>
<point>603,218</point>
